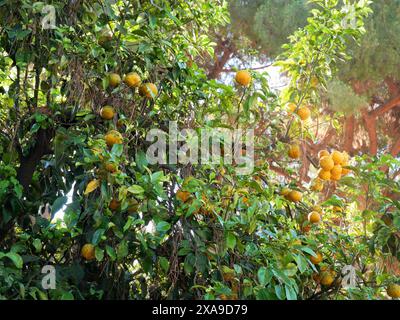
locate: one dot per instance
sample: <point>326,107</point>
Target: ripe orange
<point>336,177</point>
<point>294,151</point>
<point>113,137</point>
<point>327,278</point>
<point>114,205</point>
<point>314,217</point>
<point>337,157</point>
<point>148,90</point>
<point>111,167</point>
<point>107,113</point>
<point>291,107</point>
<point>294,196</point>
<point>345,171</point>
<point>393,290</point>
<point>323,153</point>
<point>317,208</point>
<point>285,192</point>
<point>318,259</point>
<point>183,195</point>
<point>324,175</point>
<point>114,79</point>
<point>317,185</point>
<point>326,163</point>
<point>336,170</point>
<point>132,80</point>
<point>304,113</point>
<point>88,251</point>
<point>243,78</point>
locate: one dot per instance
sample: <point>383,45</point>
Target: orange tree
<point>77,102</point>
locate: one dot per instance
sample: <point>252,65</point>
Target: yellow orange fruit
<point>114,79</point>
<point>317,208</point>
<point>148,90</point>
<point>393,290</point>
<point>132,80</point>
<point>294,196</point>
<point>113,137</point>
<point>304,113</point>
<point>314,217</point>
<point>314,82</point>
<point>317,185</point>
<point>243,78</point>
<point>345,171</point>
<point>327,278</point>
<point>336,170</point>
<point>285,192</point>
<point>111,167</point>
<point>346,157</point>
<point>318,259</point>
<point>183,195</point>
<point>337,157</point>
<point>294,151</point>
<point>323,153</point>
<point>88,251</point>
<point>324,175</point>
<point>336,177</point>
<point>291,107</point>
<point>326,163</point>
<point>107,113</point>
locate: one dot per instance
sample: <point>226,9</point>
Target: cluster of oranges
<point>303,111</point>
<point>133,80</point>
<point>333,165</point>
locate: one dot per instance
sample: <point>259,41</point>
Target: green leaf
<point>135,189</point>
<point>230,240</point>
<point>99,253</point>
<point>164,263</point>
<point>16,258</point>
<point>111,253</point>
<point>122,250</point>
<point>163,226</point>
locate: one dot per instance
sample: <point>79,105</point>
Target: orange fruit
<point>148,90</point>
<point>336,170</point>
<point>107,113</point>
<point>336,177</point>
<point>114,79</point>
<point>314,217</point>
<point>323,153</point>
<point>294,151</point>
<point>314,82</point>
<point>243,78</point>
<point>324,175</point>
<point>88,251</point>
<point>317,208</point>
<point>114,205</point>
<point>132,80</point>
<point>326,163</point>
<point>291,107</point>
<point>317,185</point>
<point>294,196</point>
<point>183,195</point>
<point>111,167</point>
<point>113,137</point>
<point>285,192</point>
<point>327,278</point>
<point>318,259</point>
<point>346,157</point>
<point>337,157</point>
<point>393,290</point>
<point>304,113</point>
<point>345,171</point>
